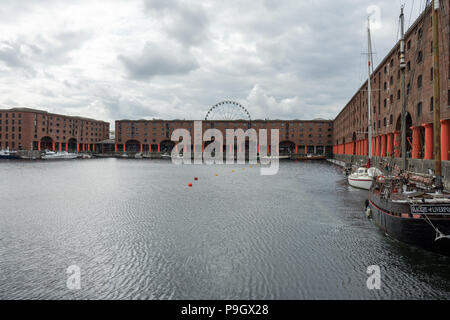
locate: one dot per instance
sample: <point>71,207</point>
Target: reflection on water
<point>138,232</point>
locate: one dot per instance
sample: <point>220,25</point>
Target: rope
<point>439,234</point>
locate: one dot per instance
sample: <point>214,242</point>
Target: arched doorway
<point>167,146</point>
<point>72,145</point>
<point>398,127</point>
<point>132,146</point>
<point>287,148</point>
<point>46,143</point>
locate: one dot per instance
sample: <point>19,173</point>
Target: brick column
<point>416,142</point>
<point>428,141</point>
<point>115,147</point>
<point>445,139</point>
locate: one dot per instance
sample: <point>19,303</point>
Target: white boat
<point>62,155</point>
<point>6,154</point>
<point>275,157</point>
<point>363,177</point>
<point>138,156</point>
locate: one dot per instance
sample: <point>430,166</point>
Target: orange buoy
<point>189,185</point>
<point>217,175</point>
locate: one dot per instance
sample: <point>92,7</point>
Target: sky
<point>175,59</point>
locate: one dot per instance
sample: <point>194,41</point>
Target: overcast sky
<point>174,59</point>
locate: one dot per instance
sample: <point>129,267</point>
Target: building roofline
<point>51,113</point>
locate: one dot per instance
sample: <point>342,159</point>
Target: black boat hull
<point>397,221</point>
<point>9,157</point>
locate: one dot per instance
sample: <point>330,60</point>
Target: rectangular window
<point>419,109</point>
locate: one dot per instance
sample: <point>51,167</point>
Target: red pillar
<point>445,139</point>
<point>296,149</point>
<point>397,144</point>
<point>416,142</point>
<point>84,147</point>
<point>60,146</point>
<point>203,147</point>
<point>378,147</point>
<point>306,149</point>
<point>383,145</point>
<point>390,144</point>
<point>78,147</point>
<point>123,147</point>
<point>53,146</point>
<point>142,149</point>
<point>115,147</point>
<point>159,148</point>
<point>67,146</point>
<point>39,146</point>
<point>428,141</point>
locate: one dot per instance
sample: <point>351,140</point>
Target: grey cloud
<point>11,53</point>
<point>185,22</point>
<point>158,60</point>
<point>52,50</point>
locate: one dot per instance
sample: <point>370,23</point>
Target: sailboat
<point>410,207</point>
<point>363,177</point>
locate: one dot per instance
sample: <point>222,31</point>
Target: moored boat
<point>418,218</point>
<point>363,177</point>
<point>6,154</point>
<point>62,155</point>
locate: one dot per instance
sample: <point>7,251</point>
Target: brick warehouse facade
<point>29,129</point>
<point>350,126</point>
<point>296,136</point>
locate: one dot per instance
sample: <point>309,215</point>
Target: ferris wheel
<point>228,111</point>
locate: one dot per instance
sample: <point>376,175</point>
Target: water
<point>138,232</point>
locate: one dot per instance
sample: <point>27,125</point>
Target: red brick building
<point>351,125</point>
<point>29,129</point>
<point>296,136</point>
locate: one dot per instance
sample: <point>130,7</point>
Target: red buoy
<point>196,179</point>
<point>189,185</point>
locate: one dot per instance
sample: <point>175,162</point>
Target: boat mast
<point>436,97</point>
<point>403,84</point>
<point>369,87</point>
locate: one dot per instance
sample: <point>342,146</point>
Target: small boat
<point>138,156</point>
<point>86,156</point>
<point>166,156</point>
<point>6,154</point>
<point>313,157</point>
<point>62,155</point>
<point>275,157</point>
<point>363,177</point>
